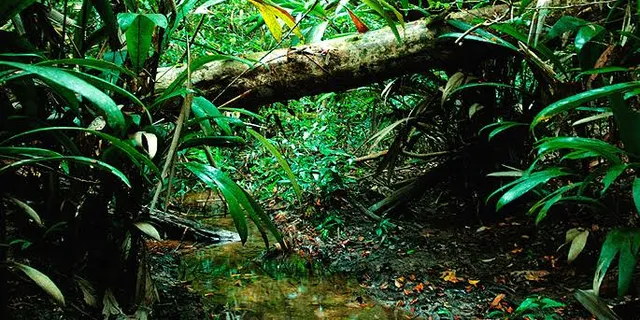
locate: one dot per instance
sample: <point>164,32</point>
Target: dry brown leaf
<point>495,304</point>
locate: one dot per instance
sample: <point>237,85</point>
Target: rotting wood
<point>331,65</point>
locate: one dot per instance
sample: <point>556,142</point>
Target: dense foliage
<point>88,143</point>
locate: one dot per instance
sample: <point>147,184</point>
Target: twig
<point>371,156</point>
<point>184,114</point>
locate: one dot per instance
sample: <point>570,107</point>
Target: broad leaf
<point>102,101</point>
<point>578,99</point>
<point>149,230</point>
<point>28,210</point>
<point>43,281</point>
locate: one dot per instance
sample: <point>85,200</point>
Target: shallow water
<point>238,284</point>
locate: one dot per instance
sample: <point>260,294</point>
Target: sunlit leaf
<point>636,194</point>
<point>271,13</point>
<point>148,229</point>
<point>43,281</point>
<point>603,149</point>
<point>527,183</point>
<point>577,244</point>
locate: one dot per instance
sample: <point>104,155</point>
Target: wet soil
<point>440,262</point>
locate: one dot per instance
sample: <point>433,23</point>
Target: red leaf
<point>362,28</point>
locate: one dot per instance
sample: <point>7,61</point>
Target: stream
<point>237,283</point>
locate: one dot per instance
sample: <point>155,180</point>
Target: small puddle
<point>236,281</point>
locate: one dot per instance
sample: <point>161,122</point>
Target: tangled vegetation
<point>528,107</point>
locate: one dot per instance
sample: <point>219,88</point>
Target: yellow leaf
<point>473,282</point>
<point>270,12</point>
<point>450,276</point>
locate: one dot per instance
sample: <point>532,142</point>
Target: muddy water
<point>238,284</point>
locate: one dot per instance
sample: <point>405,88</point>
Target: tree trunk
<point>335,65</point>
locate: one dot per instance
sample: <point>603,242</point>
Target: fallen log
<point>177,228</point>
<point>333,65</point>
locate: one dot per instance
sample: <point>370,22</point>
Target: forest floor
<point>440,262</point>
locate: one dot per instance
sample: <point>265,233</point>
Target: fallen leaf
<point>473,282</point>
<point>531,275</point>
<point>406,292</point>
<point>400,303</point>
<point>419,287</point>
<point>495,304</point>
<point>384,286</point>
<point>399,282</point>
<point>516,250</point>
<point>450,276</point>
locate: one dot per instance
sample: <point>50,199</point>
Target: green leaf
<point>102,101</point>
<point>603,149</point>
<point>28,151</point>
<point>377,6</point>
<point>586,34</point>
<point>563,25</point>
<point>108,18</point>
<point>136,156</point>
<point>597,307</point>
<point>636,194</point>
<point>610,248</point>
<point>28,210</point>
<point>626,266</point>
<point>628,121</point>
<point>10,8</point>
<point>236,200</point>
<point>149,230</point>
<point>527,183</point>
<point>89,63</point>
<point>283,163</point>
<point>81,160</point>
<point>500,127</point>
<point>42,281</point>
<point>139,37</point>
<point>485,35</point>
<point>578,99</point>
<point>610,177</point>
<point>211,110</point>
